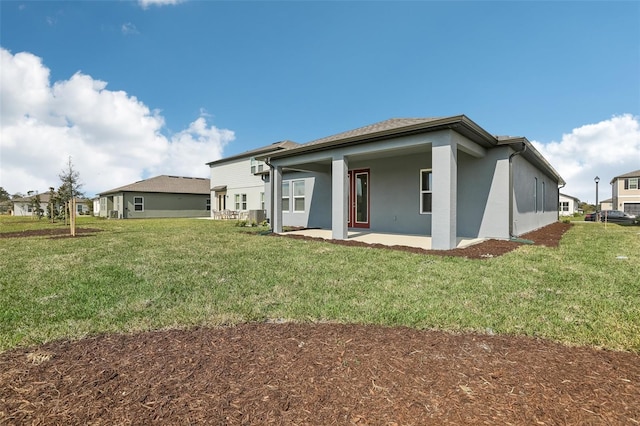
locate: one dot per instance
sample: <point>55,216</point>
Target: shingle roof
<point>626,175</point>
<point>396,127</point>
<point>167,184</point>
<point>381,126</point>
<point>276,146</point>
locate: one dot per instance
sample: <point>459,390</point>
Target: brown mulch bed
<point>318,374</point>
<point>548,236</point>
<point>53,233</point>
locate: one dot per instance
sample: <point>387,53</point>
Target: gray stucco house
<point>160,196</point>
<point>440,177</point>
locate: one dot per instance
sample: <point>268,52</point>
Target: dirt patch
<point>55,232</point>
<point>317,374</point>
<point>548,236</point>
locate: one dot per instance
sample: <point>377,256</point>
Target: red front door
<point>359,198</point>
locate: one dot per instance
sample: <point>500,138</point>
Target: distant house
<point>568,205</point>
<point>160,196</point>
<point>25,206</point>
<point>237,183</point>
<point>606,204</point>
<point>445,178</point>
<point>626,192</point>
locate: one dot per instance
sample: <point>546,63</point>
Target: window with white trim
<point>564,206</point>
<point>631,183</point>
<point>426,186</point>
<point>138,204</point>
<point>262,200</point>
<point>285,196</point>
<point>241,201</point>
<point>208,205</point>
<point>543,197</point>
<point>298,195</point>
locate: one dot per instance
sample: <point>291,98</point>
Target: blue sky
<point>211,79</point>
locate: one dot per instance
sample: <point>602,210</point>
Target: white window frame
<point>208,204</point>
<point>286,195</point>
<point>425,191</point>
<point>564,206</point>
<point>138,203</point>
<point>299,184</point>
<point>262,200</point>
<point>634,183</point>
<point>243,201</point>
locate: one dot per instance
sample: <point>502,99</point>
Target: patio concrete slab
<point>419,241</point>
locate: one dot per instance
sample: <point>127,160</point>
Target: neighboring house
<point>626,192</point>
<point>440,177</point>
<point>606,204</point>
<point>237,182</point>
<point>568,205</point>
<point>24,206</point>
<point>160,196</point>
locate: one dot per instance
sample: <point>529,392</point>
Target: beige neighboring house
<point>626,193</point>
<point>237,182</point>
<point>606,204</point>
<point>160,196</point>
<point>567,205</point>
<point>24,206</point>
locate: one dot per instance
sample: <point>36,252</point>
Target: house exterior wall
<point>317,213</point>
<point>535,197</point>
<point>237,177</point>
<point>483,195</point>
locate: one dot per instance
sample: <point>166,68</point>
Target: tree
<point>36,206</point>
<point>70,187</point>
<point>4,195</point>
<point>5,200</point>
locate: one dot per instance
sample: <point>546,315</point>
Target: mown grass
<point>152,274</point>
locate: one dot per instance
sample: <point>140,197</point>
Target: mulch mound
<point>548,236</point>
<point>319,374</point>
<point>53,233</point>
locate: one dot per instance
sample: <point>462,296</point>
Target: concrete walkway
<point>419,241</point>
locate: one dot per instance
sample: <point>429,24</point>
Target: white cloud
<point>606,149</point>
<point>113,138</point>
<point>129,29</point>
<point>146,3</point>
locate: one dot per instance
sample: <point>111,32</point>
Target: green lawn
<point>152,274</point>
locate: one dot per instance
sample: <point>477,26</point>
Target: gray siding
<point>530,211</point>
<point>483,190</point>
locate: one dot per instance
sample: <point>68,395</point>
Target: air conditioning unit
<point>113,214</point>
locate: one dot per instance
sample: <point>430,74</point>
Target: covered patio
<point>387,239</point>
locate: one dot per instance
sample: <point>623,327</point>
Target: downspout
<point>511,236</point>
<point>559,188</point>
<point>267,161</point>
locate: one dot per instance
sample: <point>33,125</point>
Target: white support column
<point>339,198</point>
<point>276,208</point>
<point>445,194</point>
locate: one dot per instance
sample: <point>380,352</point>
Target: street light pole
<point>597,180</point>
